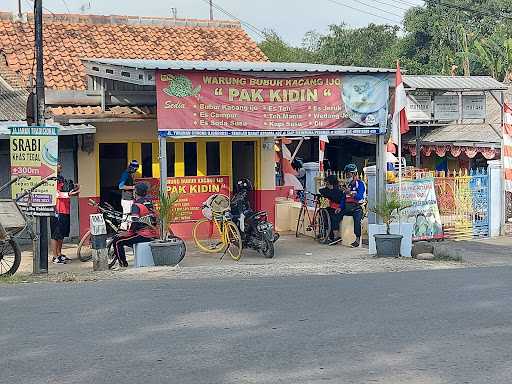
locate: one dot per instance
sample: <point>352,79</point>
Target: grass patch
<point>14,279</point>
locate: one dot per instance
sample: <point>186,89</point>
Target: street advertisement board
<point>423,213</point>
<point>34,153</point>
<point>419,107</point>
<point>473,107</point>
<point>446,107</point>
<point>193,191</point>
<point>217,103</point>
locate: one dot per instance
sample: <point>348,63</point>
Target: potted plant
<point>388,244</point>
<point>168,249</point>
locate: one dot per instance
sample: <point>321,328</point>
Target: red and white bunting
<point>507,146</point>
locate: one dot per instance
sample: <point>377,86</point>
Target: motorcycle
<point>257,232</point>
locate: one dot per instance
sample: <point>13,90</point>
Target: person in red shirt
<point>60,222</point>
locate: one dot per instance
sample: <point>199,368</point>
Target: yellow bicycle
<point>217,232</point>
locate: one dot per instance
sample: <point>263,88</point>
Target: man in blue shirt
<point>126,185</point>
<point>355,196</point>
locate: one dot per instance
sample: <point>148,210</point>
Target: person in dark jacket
<point>336,198</point>
<point>355,196</point>
<point>126,186</point>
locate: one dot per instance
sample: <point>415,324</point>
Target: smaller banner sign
<point>473,107</point>
<point>34,152</point>
<point>193,191</point>
<point>446,107</point>
<point>419,107</point>
<point>424,211</point>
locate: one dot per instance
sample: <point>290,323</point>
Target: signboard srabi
<point>216,103</point>
<point>34,153</point>
<point>446,107</point>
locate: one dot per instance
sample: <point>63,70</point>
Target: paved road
<point>412,327</point>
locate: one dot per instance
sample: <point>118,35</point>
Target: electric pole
<point>211,9</point>
<point>20,14</point>
<point>41,249</point>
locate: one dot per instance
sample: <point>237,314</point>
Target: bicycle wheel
<point>10,257</point>
<point>322,225</point>
<point>233,240</point>
<point>300,222</point>
<point>84,251</point>
<point>207,236</point>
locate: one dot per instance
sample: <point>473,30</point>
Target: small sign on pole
<point>98,230</point>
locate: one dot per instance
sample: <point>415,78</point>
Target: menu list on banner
<point>209,102</point>
<point>192,192</point>
<point>34,153</point>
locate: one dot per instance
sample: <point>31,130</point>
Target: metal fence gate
<point>463,201</point>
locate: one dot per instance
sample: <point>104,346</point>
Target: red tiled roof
<point>70,38</point>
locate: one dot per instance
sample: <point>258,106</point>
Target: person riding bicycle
<point>336,198</point>
<point>143,227</point>
<point>355,196</point>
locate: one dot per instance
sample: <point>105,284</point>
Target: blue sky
<point>290,18</point>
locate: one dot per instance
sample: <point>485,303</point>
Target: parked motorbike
<point>257,232</point>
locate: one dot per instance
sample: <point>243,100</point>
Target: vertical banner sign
<point>423,213</point>
<point>222,103</point>
<point>34,153</point>
<point>192,192</point>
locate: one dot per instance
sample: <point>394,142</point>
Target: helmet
<point>141,189</point>
<point>297,163</point>
<point>350,168</point>
<point>133,166</point>
<point>244,185</point>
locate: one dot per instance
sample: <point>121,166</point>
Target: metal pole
<point>418,147</point>
<point>20,13</point>
<point>162,156</point>
<point>503,190</point>
<point>40,257</point>
<point>381,167</point>
<point>211,9</point>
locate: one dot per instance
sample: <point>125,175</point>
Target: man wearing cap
<point>143,226</point>
<point>126,185</point>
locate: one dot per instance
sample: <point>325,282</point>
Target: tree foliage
<point>466,36</point>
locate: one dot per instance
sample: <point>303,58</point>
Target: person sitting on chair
<point>143,227</point>
<point>336,198</point>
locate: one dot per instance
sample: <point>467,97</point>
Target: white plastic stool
<point>143,255</point>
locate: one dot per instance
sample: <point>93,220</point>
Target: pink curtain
<point>441,150</point>
<point>455,151</point>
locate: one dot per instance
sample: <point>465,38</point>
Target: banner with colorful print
<point>216,103</point>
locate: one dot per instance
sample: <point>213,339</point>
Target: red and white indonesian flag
<point>400,124</point>
<point>507,146</point>
<point>323,140</point>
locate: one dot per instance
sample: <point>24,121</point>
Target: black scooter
<point>257,232</point>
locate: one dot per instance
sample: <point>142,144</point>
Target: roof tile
<point>69,38</point>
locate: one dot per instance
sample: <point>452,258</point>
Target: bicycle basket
<point>323,202</point>
<point>216,204</point>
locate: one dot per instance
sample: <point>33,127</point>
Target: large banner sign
<point>424,211</point>
<point>205,103</point>
<point>193,191</point>
<point>34,153</point>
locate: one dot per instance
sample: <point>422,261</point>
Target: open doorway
<point>243,161</point>
<point>113,161</point>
